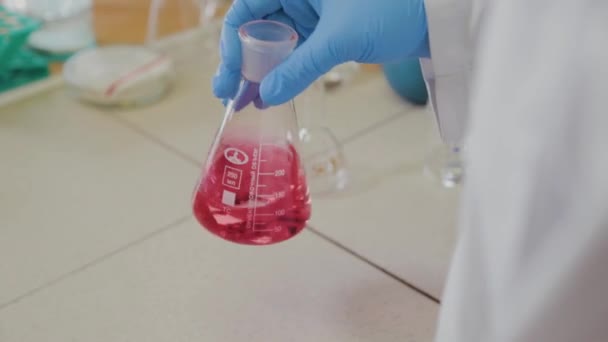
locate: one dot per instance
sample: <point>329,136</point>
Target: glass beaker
<point>170,17</point>
<point>445,162</point>
<point>253,189</point>
<point>191,14</point>
<point>322,153</point>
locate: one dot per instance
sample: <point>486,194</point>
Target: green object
<point>14,30</point>
<point>18,64</point>
<point>25,67</point>
<point>405,78</point>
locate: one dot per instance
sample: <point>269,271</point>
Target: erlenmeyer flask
<point>253,188</point>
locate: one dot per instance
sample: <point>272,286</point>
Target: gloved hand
<point>331,32</point>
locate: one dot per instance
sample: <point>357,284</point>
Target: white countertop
<point>97,242</point>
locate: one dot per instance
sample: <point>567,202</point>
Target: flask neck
<point>249,92</point>
<point>264,45</point>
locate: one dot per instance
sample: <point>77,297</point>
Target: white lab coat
<point>531,264</point>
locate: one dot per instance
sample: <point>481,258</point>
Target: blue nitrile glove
<point>331,32</point>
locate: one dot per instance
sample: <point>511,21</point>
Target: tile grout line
<point>95,261</point>
<point>345,141</point>
<point>154,139</point>
<point>184,156</point>
<point>374,265</point>
<point>373,127</point>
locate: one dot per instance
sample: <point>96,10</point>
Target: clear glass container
<point>204,15</point>
<point>445,164</point>
<point>322,153</point>
<point>445,161</point>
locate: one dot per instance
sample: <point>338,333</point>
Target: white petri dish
<point>120,75</point>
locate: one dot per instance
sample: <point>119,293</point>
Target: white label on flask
<point>229,198</point>
<point>232,177</point>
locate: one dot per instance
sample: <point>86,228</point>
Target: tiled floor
<point>97,242</point>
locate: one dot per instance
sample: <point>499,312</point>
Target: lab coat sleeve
<point>448,72</point>
<point>531,264</point>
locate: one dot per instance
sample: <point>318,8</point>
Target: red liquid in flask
<point>254,194</point>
